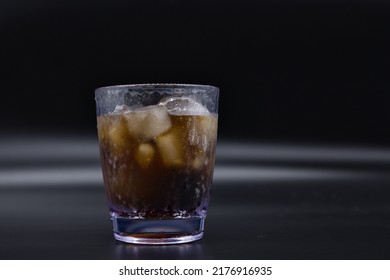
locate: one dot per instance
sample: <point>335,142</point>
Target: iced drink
<point>157,161</point>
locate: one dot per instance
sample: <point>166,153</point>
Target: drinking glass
<point>157,147</point>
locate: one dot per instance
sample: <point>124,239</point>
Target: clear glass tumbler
<point>157,148</point>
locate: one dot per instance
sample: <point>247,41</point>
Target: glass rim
<point>154,85</point>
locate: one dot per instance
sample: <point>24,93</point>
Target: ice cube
<point>198,162</point>
<point>183,105</point>
<point>144,155</point>
<point>148,122</point>
<point>117,132</point>
<point>170,148</point>
<point>121,109</point>
<point>203,131</point>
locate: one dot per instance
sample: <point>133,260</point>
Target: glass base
<point>143,231</point>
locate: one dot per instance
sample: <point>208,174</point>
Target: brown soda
<point>163,173</point>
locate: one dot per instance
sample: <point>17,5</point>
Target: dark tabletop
<point>267,202</point>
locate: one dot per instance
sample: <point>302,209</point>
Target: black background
<point>288,70</point>
<point>303,83</point>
